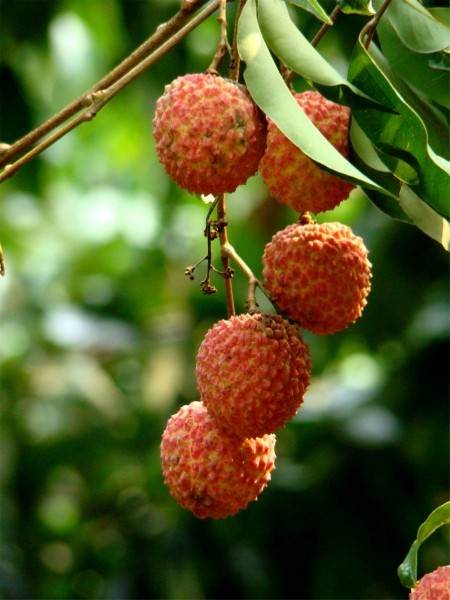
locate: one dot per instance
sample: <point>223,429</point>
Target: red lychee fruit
<point>293,178</point>
<point>433,586</point>
<point>207,470</point>
<point>210,135</point>
<point>318,275</point>
<point>252,372</point>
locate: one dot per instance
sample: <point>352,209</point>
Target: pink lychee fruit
<point>318,275</point>
<point>210,135</point>
<point>207,470</point>
<point>292,177</point>
<point>252,372</point>
<point>433,586</point>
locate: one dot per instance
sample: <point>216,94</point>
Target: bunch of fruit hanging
<point>253,369</point>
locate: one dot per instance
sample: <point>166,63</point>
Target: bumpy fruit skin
<point>252,372</point>
<point>433,586</point>
<point>210,136</point>
<point>318,275</point>
<point>293,178</point>
<point>209,472</point>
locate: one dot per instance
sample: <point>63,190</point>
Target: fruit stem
<point>253,282</point>
<point>235,63</point>
<point>155,47</point>
<point>223,46</point>
<point>370,27</point>
<point>223,237</point>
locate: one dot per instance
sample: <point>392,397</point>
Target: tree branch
<point>370,28</point>
<point>165,37</point>
<point>223,45</point>
<point>223,236</point>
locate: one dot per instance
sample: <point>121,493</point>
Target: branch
<point>223,236</point>
<point>325,27</point>
<point>165,38</point>
<point>223,45</point>
<point>253,282</point>
<point>370,28</point>
<point>235,63</point>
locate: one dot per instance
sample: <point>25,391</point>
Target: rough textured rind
<point>318,275</point>
<point>294,179</point>
<point>210,136</point>
<point>209,472</point>
<point>433,586</point>
<point>252,372</point>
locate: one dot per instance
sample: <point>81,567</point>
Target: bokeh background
<point>98,333</point>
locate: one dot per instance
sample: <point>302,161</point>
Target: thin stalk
<point>223,45</point>
<point>223,236</point>
<point>371,27</point>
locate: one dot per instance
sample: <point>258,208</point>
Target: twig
<point>95,100</point>
<point>370,28</point>
<point>223,45</point>
<point>229,251</point>
<point>326,26</point>
<point>223,236</point>
<point>2,262</point>
<point>235,63</point>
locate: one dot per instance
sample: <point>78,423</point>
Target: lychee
<point>318,275</point>
<point>207,470</point>
<point>210,135</point>
<point>252,372</point>
<point>433,586</point>
<point>293,178</point>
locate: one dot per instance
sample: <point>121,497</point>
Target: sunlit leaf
<point>407,571</point>
<point>296,52</point>
<point>273,96</point>
<point>313,7</point>
<point>359,7</point>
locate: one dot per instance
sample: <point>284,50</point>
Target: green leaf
<point>407,571</point>
<point>271,94</point>
<point>401,134</point>
<point>358,7</point>
<point>424,217</point>
<point>313,7</point>
<point>295,51</point>
<point>415,68</point>
<point>418,29</point>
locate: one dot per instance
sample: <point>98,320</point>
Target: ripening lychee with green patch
<point>433,586</point>
<point>318,275</point>
<point>207,470</point>
<point>292,177</point>
<point>252,372</point>
<point>210,135</point>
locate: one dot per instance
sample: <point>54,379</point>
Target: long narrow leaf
<point>273,96</point>
<point>407,571</point>
<point>313,7</point>
<point>401,134</point>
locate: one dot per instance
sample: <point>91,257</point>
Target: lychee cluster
<point>253,369</point>
<point>433,586</point>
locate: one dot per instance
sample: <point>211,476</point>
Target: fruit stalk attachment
<point>223,46</point>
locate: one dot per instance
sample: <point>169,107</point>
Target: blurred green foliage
<point>98,334</point>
